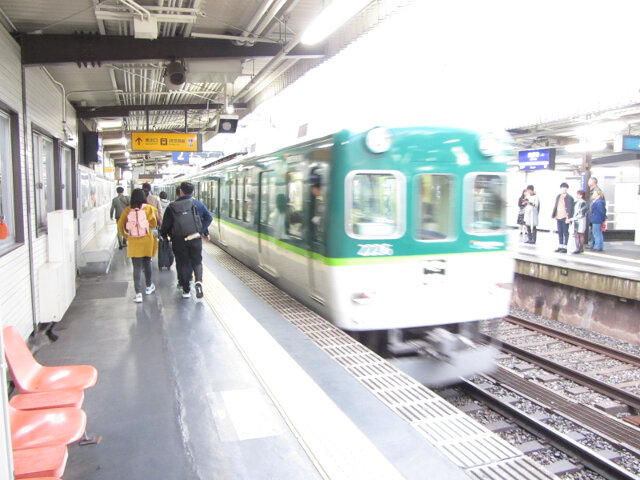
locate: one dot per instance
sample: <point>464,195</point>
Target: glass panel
<point>488,205</point>
<point>239,186</point>
<point>232,189</point>
<point>214,197</point>
<point>67,176</point>
<point>6,180</point>
<point>374,210</point>
<point>268,210</point>
<point>294,203</point>
<point>317,190</point>
<point>247,206</point>
<point>435,207</point>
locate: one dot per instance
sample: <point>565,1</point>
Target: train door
<point>267,217</point>
<point>316,228</point>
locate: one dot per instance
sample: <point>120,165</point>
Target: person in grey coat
<point>118,204</point>
<point>579,221</point>
<point>531,210</point>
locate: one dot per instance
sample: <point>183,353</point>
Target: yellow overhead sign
<point>171,142</point>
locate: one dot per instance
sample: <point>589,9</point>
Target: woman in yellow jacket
<point>140,248</point>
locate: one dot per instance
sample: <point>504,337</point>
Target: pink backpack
<point>137,224</point>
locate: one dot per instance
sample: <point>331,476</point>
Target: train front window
<point>486,193</point>
<point>374,206</point>
<point>435,212</point>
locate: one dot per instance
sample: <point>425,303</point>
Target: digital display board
<point>543,159</point>
<point>631,142</point>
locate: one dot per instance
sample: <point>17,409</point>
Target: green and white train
<point>399,233</point>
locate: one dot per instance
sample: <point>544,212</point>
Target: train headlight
<point>378,140</point>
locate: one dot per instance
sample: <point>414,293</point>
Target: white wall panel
<point>45,110</point>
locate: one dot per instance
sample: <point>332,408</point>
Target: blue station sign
<point>541,159</point>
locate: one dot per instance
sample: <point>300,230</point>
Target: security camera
<point>175,75</point>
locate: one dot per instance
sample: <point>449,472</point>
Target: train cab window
<point>486,205</point>
<point>435,207</point>
<point>374,208</point>
<point>295,186</point>
<point>6,181</point>
<point>44,178</point>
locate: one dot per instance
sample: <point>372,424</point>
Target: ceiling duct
<point>175,75</point>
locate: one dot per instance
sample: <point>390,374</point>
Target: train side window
<point>435,210</point>
<point>268,210</point>
<point>232,188</point>
<point>239,194</point>
<point>214,197</point>
<point>44,178</point>
<point>247,205</point>
<point>485,204</point>
<point>294,203</point>
<point>376,206</point>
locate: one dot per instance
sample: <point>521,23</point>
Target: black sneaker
<point>199,291</point>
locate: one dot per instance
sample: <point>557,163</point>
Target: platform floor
<point>620,258</point>
<point>178,396</point>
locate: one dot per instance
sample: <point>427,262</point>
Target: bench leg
<point>89,439</point>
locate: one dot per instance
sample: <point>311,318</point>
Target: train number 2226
<point>375,249</point>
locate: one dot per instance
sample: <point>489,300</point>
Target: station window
<point>44,178</point>
<point>6,181</point>
<point>435,207</point>
<point>295,186</point>
<point>375,206</point>
<point>66,175</point>
<point>486,204</point>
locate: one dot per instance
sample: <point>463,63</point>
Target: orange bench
<point>39,428</point>
<point>49,461</point>
<point>30,376</point>
<point>52,399</point>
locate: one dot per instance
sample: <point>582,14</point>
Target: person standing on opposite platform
<point>579,221</point>
<point>531,210</point>
<point>118,204</point>
<point>522,202</point>
<point>597,216</point>
<point>187,221</point>
<point>136,224</point>
<point>562,212</point>
<point>592,184</point>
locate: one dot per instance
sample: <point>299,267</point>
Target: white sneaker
<point>138,298</point>
<point>186,294</point>
<point>199,292</point>
<point>150,289</point>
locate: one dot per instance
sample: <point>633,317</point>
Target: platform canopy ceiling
<point>174,65</point>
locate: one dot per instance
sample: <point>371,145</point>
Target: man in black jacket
<point>187,221</point>
<point>562,211</point>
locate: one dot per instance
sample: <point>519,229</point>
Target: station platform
<point>251,385</point>
<point>598,291</point>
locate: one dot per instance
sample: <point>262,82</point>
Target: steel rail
<point>578,377</point>
<point>587,457</point>
<point>572,339</point>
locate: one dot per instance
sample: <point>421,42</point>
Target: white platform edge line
<point>334,443</point>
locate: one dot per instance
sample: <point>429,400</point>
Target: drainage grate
<point>460,438</point>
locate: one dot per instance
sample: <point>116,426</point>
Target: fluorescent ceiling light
<point>331,18</point>
<point>107,124</point>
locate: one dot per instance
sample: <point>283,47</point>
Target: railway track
<point>538,425</point>
<point>579,360</point>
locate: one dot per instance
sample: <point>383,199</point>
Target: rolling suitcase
<point>165,254</point>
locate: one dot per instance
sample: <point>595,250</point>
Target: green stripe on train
<point>336,262</point>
